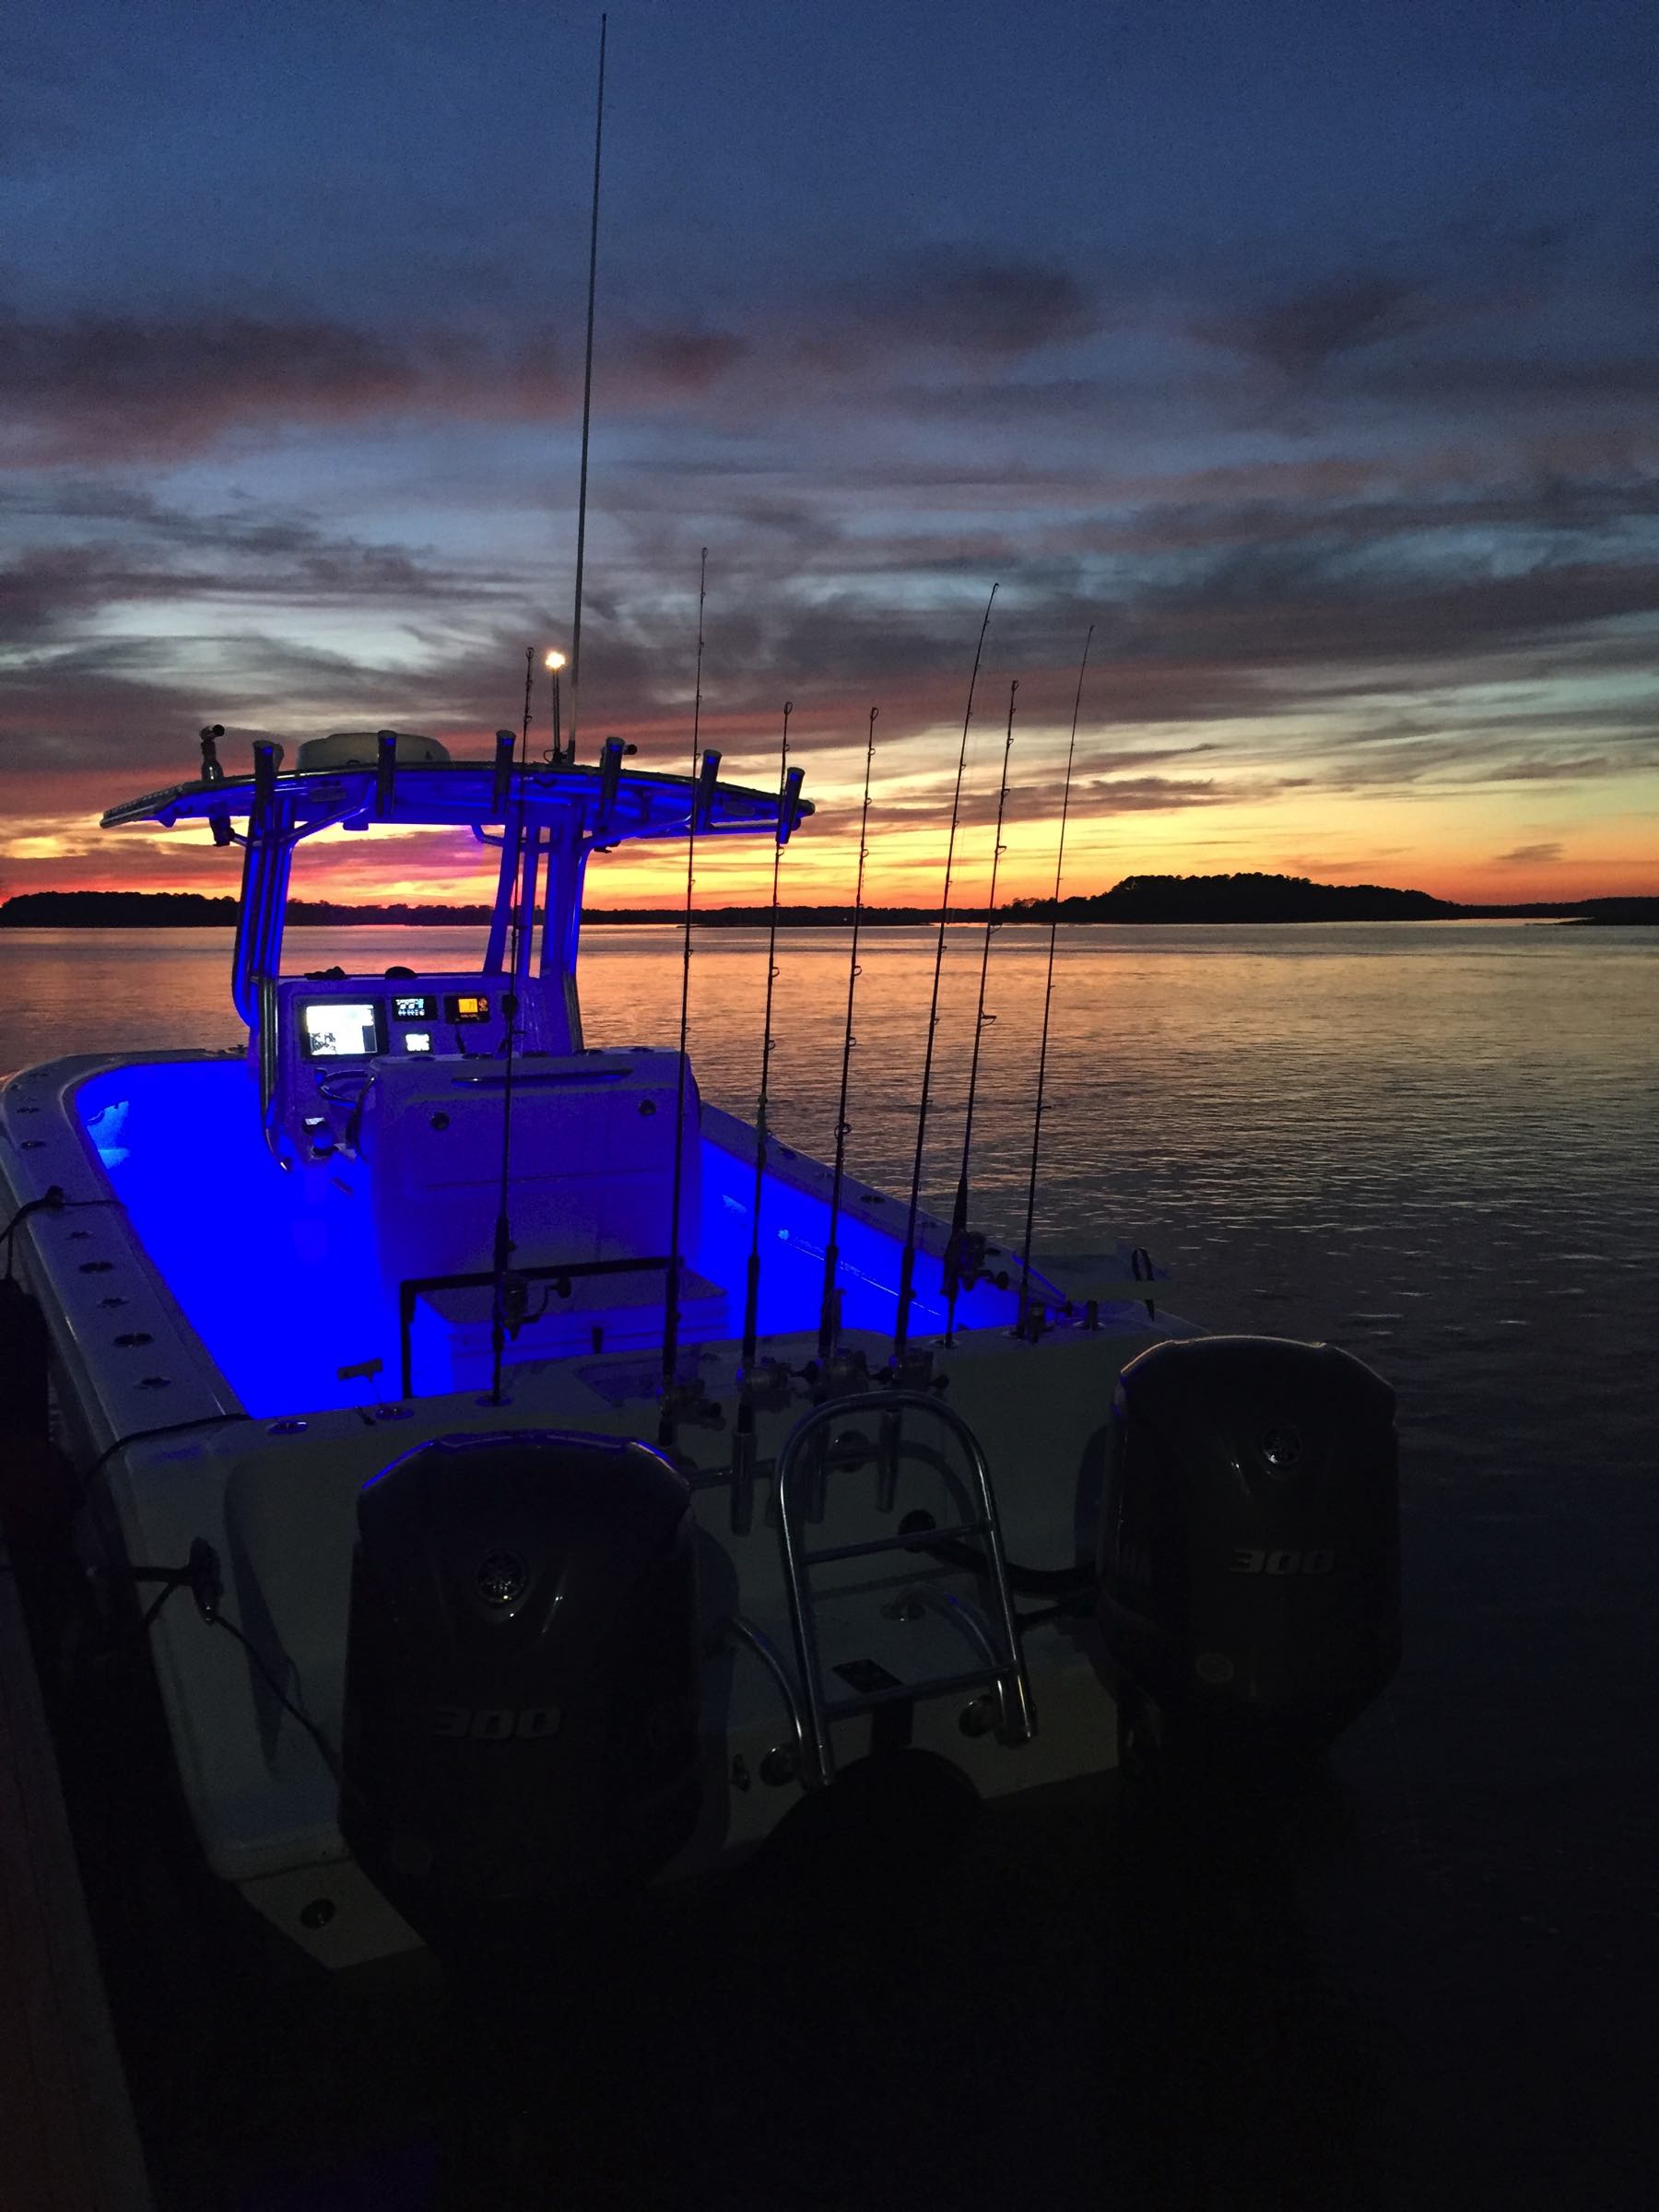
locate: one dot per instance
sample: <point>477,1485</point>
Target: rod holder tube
<point>385,773</point>
<point>504,742</point>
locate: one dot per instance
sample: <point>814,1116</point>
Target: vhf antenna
<point>751,1304</point>
<point>508,1290</point>
<point>1030,1323</point>
<point>907,1264</point>
<point>829,1310</point>
<point>587,402</point>
<point>961,1264</point>
<point>703,772</point>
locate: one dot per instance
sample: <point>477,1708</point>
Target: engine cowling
<point>1250,1556</point>
<point>521,1721</point>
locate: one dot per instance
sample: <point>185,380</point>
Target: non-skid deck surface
<point>67,2140</point>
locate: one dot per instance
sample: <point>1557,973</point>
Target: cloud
<point>1348,613</point>
<point>1152,794</point>
<point>1527,856</point>
<point>1303,332</point>
<point>683,361</point>
<point>965,303</point>
<point>99,385</point>
<point>57,593</point>
<point>93,387</point>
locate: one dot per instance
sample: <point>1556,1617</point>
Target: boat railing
<point>802,1465</point>
<point>410,1291</point>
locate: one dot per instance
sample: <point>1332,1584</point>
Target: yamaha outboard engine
<point>521,1729</point>
<point>1250,1559</point>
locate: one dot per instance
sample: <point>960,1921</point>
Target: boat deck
<point>289,1282</point>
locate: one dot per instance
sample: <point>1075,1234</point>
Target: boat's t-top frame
<point>545,817</point>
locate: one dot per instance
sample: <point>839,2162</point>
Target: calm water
<point>1433,1144</point>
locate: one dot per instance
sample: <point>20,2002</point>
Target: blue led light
<point>277,1271</point>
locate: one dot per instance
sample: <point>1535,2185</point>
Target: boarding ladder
<point>803,1468</point>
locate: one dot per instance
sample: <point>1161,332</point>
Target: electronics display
<point>415,1009</point>
<point>417,1040</point>
<point>465,1008</point>
<point>339,1029</point>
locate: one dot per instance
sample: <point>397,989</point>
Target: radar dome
<point>360,748</point>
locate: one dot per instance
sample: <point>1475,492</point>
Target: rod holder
<point>266,757</point>
<point>611,756</point>
<point>386,769</point>
<point>789,805</point>
<point>743,1471</point>
<point>505,741</point>
<point>707,776</point>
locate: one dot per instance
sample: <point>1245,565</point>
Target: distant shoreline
<point>1137,900</point>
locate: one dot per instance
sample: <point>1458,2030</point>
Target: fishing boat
<point>532,1480</point>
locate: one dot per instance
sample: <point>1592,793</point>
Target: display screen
<point>415,1009</point>
<point>417,1040</point>
<point>339,1029</point>
<point>465,1009</point>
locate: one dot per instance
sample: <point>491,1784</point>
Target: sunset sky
<point>1308,348</point>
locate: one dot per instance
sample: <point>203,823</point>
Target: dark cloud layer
<point>972,305</point>
<point>108,386</point>
<point>1298,335</point>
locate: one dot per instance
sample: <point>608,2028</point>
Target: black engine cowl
<point>1251,1550</point>
<point>520,1722</point>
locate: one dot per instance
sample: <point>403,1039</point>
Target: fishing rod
<point>509,1292</point>
<point>768,1382</point>
<point>751,1305</point>
<point>1029,1324</point>
<point>703,772</point>
<point>587,399</point>
<point>830,1308</point>
<point>907,1264</point>
<point>963,1254</point>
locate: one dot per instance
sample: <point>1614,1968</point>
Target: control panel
<point>406,1021</point>
<point>334,1031</point>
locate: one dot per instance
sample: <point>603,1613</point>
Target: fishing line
<point>751,1308</point>
<point>671,1297</point>
<point>962,1254</point>
<point>907,1265</point>
<point>1028,1324</point>
<point>829,1307</point>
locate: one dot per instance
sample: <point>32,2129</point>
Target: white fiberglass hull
<point>274,1493</point>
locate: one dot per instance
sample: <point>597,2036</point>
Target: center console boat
<point>572,1519</point>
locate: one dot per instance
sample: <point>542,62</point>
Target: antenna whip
<point>587,399</point>
<point>963,1254</point>
<point>907,1265</point>
<point>508,1292</point>
<point>1029,1324</point>
<point>829,1311</point>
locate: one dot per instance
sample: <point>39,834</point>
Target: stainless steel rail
<point>807,1458</point>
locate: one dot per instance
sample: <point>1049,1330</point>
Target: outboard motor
<point>1251,1548</point>
<point>521,1726</point>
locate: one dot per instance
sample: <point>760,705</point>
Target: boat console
<point>338,1035</point>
